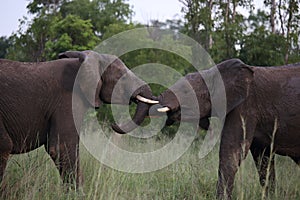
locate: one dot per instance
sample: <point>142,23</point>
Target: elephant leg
<point>69,163</point>
<point>65,155</point>
<point>264,165</point>
<point>63,148</point>
<point>6,146</point>
<point>296,160</point>
<point>234,147</point>
<point>230,161</point>
<point>63,143</point>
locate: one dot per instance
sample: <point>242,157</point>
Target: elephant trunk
<point>139,116</point>
<point>140,113</point>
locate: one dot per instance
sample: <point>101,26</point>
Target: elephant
<point>262,114</point>
<point>36,104</point>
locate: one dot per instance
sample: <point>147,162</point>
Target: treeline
<point>269,36</point>
<point>225,28</point>
<point>60,25</point>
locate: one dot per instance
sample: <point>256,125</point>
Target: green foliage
<point>102,13</point>
<point>263,49</point>
<point>40,7</point>
<point>29,45</point>
<point>225,33</point>
<point>217,25</point>
<point>113,29</point>
<point>294,56</point>
<point>4,44</point>
<point>67,25</point>
<point>70,33</point>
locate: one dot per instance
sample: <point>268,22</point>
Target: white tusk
<point>164,109</point>
<point>145,100</point>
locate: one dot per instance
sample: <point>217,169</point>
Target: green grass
<point>33,176</point>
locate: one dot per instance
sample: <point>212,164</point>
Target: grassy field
<point>33,176</point>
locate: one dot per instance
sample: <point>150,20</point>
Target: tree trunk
<point>288,38</point>
<point>273,13</point>
<point>226,25</point>
<point>234,10</point>
<point>210,24</point>
<point>281,17</point>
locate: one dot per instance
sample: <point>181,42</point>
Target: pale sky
<point>145,10</point>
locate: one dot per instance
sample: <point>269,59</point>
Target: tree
<point>70,33</point>
<point>261,46</point>
<point>293,27</point>
<point>231,25</point>
<point>60,25</point>
<point>102,13</point>
<point>287,11</point>
<point>272,5</point>
<point>29,45</point>
<point>41,7</point>
<point>4,44</point>
<point>217,25</point>
<point>198,15</point>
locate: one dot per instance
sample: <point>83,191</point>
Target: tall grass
<point>34,176</point>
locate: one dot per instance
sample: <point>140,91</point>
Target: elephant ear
<point>88,76</point>
<point>106,60</point>
<point>237,78</point>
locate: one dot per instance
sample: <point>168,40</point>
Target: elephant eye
<point>185,91</point>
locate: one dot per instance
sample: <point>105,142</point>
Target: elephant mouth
<point>143,105</point>
<point>174,115</point>
<point>136,98</point>
<point>177,115</point>
<point>140,98</point>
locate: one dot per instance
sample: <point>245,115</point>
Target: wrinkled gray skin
<point>36,104</point>
<point>258,96</point>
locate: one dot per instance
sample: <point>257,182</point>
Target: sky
<point>10,13</point>
<point>145,10</point>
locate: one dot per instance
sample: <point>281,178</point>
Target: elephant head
<point>102,75</point>
<point>232,76</point>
